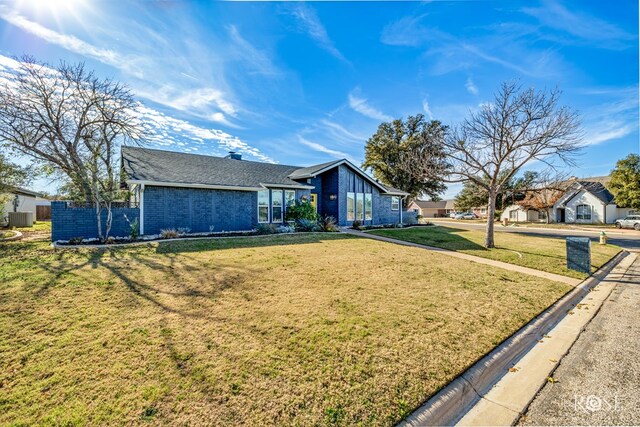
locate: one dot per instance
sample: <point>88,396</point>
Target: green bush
<point>266,229</point>
<point>306,225</point>
<point>328,223</point>
<point>301,210</point>
<point>356,224</point>
<point>134,229</point>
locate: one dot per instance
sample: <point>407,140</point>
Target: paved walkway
<point>599,379</point>
<point>525,270</point>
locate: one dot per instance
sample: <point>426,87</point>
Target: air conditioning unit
<point>20,219</point>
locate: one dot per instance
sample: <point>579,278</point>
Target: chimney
<point>235,156</point>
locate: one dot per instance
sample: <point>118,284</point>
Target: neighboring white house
<point>20,200</point>
<point>516,213</point>
<point>584,202</point>
<point>587,202</point>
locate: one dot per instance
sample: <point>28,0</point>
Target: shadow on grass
<point>133,265</point>
<point>178,246</point>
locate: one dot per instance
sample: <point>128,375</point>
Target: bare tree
<point>518,127</point>
<point>71,121</point>
<point>545,190</point>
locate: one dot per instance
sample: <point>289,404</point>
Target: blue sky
<point>303,83</point>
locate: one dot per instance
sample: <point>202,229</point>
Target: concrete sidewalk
<point>599,380</point>
<point>525,270</point>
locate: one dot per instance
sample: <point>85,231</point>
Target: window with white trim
<point>360,206</point>
<point>263,206</point>
<point>289,198</point>
<point>351,206</point>
<point>395,203</point>
<point>513,215</point>
<point>368,206</point>
<point>583,212</point>
<point>276,205</point>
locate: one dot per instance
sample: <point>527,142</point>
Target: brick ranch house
<point>431,209</point>
<point>204,193</point>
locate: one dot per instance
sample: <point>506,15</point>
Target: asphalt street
<point>598,381</point>
<point>628,239</point>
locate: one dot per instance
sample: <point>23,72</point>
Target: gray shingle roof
<point>598,190</point>
<point>146,164</point>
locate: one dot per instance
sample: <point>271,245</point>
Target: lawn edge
<point>450,404</point>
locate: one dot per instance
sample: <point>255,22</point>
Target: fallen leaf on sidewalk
<point>514,369</point>
<point>553,360</point>
<point>570,312</point>
<point>546,336</point>
<point>552,380</point>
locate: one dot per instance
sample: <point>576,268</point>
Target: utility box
<point>579,254</point>
<point>20,219</point>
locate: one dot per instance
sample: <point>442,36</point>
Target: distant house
<point>430,209</point>
<point>585,201</point>
<point>20,200</point>
<point>206,193</point>
<point>588,201</point>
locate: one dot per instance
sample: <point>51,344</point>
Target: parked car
<point>631,221</point>
<point>453,214</point>
<point>465,215</point>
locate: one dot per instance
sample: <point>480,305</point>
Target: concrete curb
<point>451,403</point>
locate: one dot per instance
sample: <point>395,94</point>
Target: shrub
<point>76,240</point>
<point>134,229</point>
<point>410,220</point>
<point>183,230</point>
<point>169,233</point>
<point>286,229</point>
<point>328,223</point>
<point>356,224</point>
<point>266,229</point>
<point>398,225</point>
<point>300,210</point>
<point>306,225</point>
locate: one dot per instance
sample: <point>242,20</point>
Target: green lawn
<point>542,253</point>
<point>314,329</point>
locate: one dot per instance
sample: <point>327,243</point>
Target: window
<point>583,212</point>
<point>351,206</point>
<point>395,203</point>
<point>263,206</point>
<point>513,215</point>
<point>368,206</point>
<point>360,206</point>
<point>276,205</point>
<point>289,198</point>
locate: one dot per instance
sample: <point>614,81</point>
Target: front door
<point>314,201</point>
<point>560,215</point>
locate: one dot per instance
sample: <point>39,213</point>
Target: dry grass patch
<point>306,330</point>
<point>542,253</point>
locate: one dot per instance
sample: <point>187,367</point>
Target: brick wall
<point>68,222</point>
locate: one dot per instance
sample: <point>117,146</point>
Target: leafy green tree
<point>625,182</point>
<point>409,155</point>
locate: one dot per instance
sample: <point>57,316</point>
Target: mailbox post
<point>579,254</point>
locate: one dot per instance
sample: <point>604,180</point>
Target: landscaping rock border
<point>18,236</point>
<point>451,403</point>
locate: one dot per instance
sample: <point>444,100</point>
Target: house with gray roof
<point>585,201</point>
<point>207,193</point>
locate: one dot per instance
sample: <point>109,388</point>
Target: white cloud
<point>614,119</point>
<point>427,109</point>
<point>471,87</point>
<point>308,21</point>
<point>70,42</point>
<point>258,60</point>
<point>578,24</point>
<point>321,148</point>
<point>361,106</point>
<point>339,132</point>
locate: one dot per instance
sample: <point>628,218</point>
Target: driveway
<point>626,239</point>
<point>598,381</point>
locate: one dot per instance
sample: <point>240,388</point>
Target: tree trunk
<point>99,219</point>
<point>491,211</point>
<point>109,220</point>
